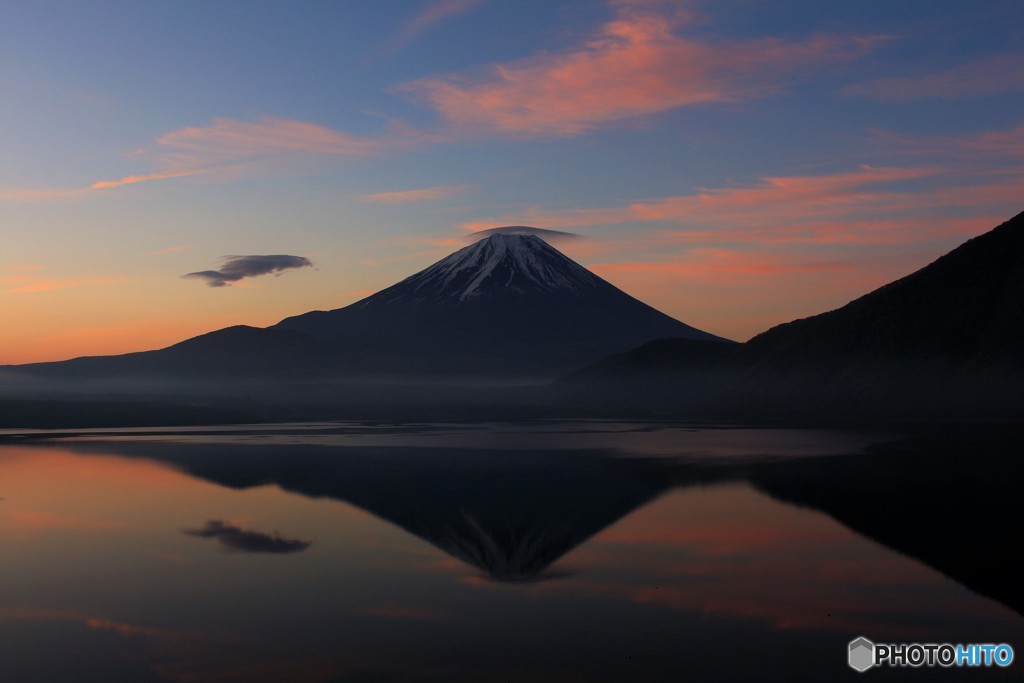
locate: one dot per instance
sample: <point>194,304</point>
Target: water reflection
<point>509,514</point>
<point>513,514</point>
<point>673,567</point>
<point>952,501</point>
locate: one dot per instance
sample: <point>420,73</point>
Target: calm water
<point>544,552</point>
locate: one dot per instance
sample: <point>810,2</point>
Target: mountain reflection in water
<point>949,501</point>
<point>510,514</point>
<point>544,552</point>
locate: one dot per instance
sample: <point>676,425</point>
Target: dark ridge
<point>944,342</point>
<point>237,351</point>
<point>967,305</point>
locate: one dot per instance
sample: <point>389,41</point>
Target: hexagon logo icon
<point>861,654</point>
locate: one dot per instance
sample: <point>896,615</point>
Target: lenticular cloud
<point>237,268</point>
<point>543,233</point>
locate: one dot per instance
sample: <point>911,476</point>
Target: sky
<point>736,164</point>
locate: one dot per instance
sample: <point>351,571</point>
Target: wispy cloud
<point>426,20</point>
<point>418,195</point>
<point>767,203</point>
<point>986,147</point>
<point>231,141</point>
<point>734,260</point>
<point>228,148</point>
<point>992,76</point>
<point>237,268</point>
<point>132,179</point>
<point>635,65</point>
<point>716,264</point>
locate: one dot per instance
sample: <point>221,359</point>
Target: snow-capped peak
<point>517,261</point>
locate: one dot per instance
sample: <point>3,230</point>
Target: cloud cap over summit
<point>544,233</point>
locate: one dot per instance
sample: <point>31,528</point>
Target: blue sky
<point>736,164</point>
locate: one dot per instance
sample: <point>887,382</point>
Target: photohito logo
<point>862,654</point>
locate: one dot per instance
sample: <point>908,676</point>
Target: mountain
<point>237,351</point>
<point>948,338</point>
<point>507,305</point>
<point>513,514</point>
<point>966,307</point>
<point>510,514</point>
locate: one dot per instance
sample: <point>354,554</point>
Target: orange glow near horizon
<point>105,341</point>
<point>710,288</point>
<point>733,169</point>
<point>51,342</point>
<point>81,495</point>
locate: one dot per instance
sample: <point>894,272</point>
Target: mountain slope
<point>508,305</point>
<point>966,306</point>
<point>947,339</point>
<point>238,351</point>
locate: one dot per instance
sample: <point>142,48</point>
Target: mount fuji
<point>509,307</point>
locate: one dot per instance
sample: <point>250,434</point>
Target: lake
<point>545,551</point>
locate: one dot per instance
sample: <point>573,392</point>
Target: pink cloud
<point>736,260</point>
<point>230,147</point>
<point>764,204</point>
<point>230,141</point>
<point>426,20</point>
<point>871,205</point>
<point>737,294</point>
<point>723,265</point>
<point>635,65</point>
<point>131,179</point>
<point>992,76</point>
<point>842,232</point>
<point>419,195</point>
<point>987,146</point>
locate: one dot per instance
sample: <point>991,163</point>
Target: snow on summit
<point>504,261</point>
<point>507,305</point>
